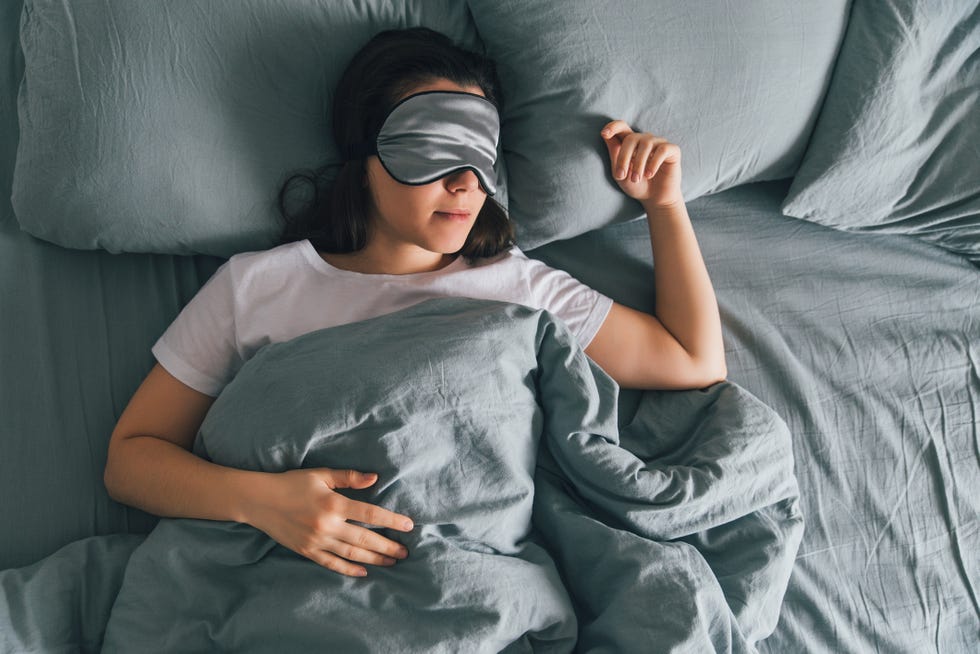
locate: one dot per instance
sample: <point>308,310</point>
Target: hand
<point>300,510</point>
<point>646,167</point>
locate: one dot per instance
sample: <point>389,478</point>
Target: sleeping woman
<point>408,218</point>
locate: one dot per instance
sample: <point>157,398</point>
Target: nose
<point>462,180</point>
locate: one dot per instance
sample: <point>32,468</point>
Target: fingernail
<point>408,524</point>
<point>403,553</point>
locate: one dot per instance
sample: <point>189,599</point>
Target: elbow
<point>711,373</point>
<point>111,475</point>
<point>719,376</point>
<point>109,480</point>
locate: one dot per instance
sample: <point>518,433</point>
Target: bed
<point>833,179</point>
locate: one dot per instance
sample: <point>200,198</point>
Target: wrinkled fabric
<point>535,528</point>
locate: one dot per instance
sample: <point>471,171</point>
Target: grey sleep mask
<point>432,134</point>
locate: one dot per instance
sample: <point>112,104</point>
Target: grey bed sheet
<point>75,327</point>
<point>868,346</point>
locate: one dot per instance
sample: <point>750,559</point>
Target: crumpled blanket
<point>540,525</point>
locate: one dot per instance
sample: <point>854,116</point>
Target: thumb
<point>350,478</point>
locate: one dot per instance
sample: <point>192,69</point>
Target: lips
<point>454,215</point>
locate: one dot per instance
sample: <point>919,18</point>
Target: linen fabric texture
<point>519,482</point>
<point>736,86</point>
<point>274,295</point>
<point>897,146</point>
<point>170,127</point>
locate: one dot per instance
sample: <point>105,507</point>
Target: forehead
<point>444,85</point>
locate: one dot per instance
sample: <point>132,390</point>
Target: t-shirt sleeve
<point>199,347</point>
<point>581,307</point>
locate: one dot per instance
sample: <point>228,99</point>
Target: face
<point>435,217</point>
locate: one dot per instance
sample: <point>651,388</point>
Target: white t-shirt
<point>272,296</point>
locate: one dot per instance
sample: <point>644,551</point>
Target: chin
<point>450,248</point>
<point>449,245</point>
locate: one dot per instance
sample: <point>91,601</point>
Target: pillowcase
<point>897,145</point>
<point>736,86</point>
<point>169,126</point>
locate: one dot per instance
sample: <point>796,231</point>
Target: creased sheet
<point>537,528</point>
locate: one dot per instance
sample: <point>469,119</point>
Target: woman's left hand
<point>646,167</point>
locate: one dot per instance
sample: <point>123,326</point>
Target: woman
<point>407,218</point>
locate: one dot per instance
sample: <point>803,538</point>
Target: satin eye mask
<point>436,133</point>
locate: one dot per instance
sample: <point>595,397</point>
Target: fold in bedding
<point>539,525</point>
<point>868,346</point>
<point>61,603</point>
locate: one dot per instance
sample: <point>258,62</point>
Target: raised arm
<point>680,346</point>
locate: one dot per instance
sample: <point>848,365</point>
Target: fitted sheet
<point>75,330</point>
<point>866,345</point>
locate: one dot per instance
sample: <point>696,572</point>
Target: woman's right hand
<point>300,510</point>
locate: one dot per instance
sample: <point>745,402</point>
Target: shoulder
<point>276,255</point>
<point>267,265</point>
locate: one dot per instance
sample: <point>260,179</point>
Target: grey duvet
<point>540,525</point>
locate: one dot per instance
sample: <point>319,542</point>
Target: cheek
<point>403,203</point>
<point>397,200</point>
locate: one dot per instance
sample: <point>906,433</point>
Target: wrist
<point>247,491</point>
<point>672,207</point>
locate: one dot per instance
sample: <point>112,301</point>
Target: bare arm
<point>150,466</point>
<point>681,345</point>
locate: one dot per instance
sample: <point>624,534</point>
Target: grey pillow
<point>737,87</point>
<point>168,126</point>
<point>897,144</point>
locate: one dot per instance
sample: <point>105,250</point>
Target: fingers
<point>641,160</point>
<point>335,563</point>
<point>362,511</point>
<point>621,167</point>
<point>661,153</point>
<point>373,515</point>
<point>636,155</point>
<point>347,478</point>
<point>342,543</point>
<point>629,161</point>
<point>360,544</point>
<point>611,137</point>
<point>637,163</point>
<point>615,128</point>
<point>338,545</point>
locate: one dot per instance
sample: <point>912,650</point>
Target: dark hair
<point>330,208</point>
